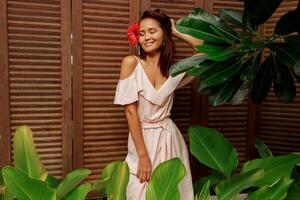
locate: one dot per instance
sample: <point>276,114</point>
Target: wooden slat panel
<point>104,44</point>
<point>182,108</point>
<point>35,75</point>
<point>279,123</point>
<point>5,157</point>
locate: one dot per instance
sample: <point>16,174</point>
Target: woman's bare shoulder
<point>128,65</point>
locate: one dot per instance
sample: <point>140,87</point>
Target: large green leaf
<point>164,180</point>
<point>230,88</point>
<point>25,155</point>
<point>212,149</point>
<point>262,82</point>
<point>212,20</point>
<point>232,16</point>
<point>229,188</point>
<point>218,53</point>
<point>288,54</point>
<point>99,185</point>
<point>262,148</point>
<point>53,182</point>
<point>293,192</point>
<point>278,191</point>
<point>71,180</point>
<point>6,196</point>
<point>116,177</point>
<point>274,168</point>
<point>205,193</point>
<point>79,193</point>
<point>287,23</point>
<point>199,29</point>
<point>25,188</point>
<point>283,81</point>
<point>261,11</point>
<point>221,74</point>
<point>214,178</point>
<point>185,64</point>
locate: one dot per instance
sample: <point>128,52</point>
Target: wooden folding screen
<point>36,83</point>
<point>70,107</point>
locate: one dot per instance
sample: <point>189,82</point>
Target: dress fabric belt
<point>159,124</point>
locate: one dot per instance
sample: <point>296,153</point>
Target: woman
<point>146,90</point>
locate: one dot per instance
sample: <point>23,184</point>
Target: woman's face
<point>150,35</point>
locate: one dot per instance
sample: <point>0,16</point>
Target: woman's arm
<point>185,37</point>
<point>144,165</point>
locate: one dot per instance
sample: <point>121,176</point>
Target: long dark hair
<point>167,50</point>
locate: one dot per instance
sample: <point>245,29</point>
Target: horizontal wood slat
<point>34,52</point>
<point>105,43</point>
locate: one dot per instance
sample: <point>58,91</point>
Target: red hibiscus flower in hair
<point>133,34</point>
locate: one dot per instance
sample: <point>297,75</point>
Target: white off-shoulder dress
<point>162,138</point>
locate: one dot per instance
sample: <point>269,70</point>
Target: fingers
<point>144,175</point>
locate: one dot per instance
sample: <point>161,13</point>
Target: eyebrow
<point>149,29</point>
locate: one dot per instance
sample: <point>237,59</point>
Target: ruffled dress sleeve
<point>127,90</point>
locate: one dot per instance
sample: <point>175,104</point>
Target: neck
<point>153,59</point>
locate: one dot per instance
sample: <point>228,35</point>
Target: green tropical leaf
<point>212,20</point>
<point>23,187</point>
<point>116,177</point>
<point>229,188</point>
<point>164,180</point>
<point>261,11</point>
<point>288,54</point>
<point>71,180</point>
<point>263,149</point>
<point>25,155</point>
<point>186,64</point>
<point>218,53</point>
<point>212,149</point>
<point>278,191</point>
<point>232,16</point>
<point>6,196</point>
<point>199,29</point>
<point>283,82</point>
<point>79,193</point>
<point>274,168</point>
<point>230,88</point>
<point>287,23</point>
<point>293,40</point>
<point>52,181</point>
<point>214,178</point>
<point>99,185</point>
<point>293,192</point>
<point>229,38</point>
<point>205,193</point>
<point>221,74</point>
<point>262,82</point>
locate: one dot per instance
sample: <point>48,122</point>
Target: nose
<point>147,36</point>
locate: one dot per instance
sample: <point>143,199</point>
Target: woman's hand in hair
<point>175,32</point>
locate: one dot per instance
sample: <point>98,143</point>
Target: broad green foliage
<point>28,179</point>
<point>26,188</point>
<point>270,177</point>
<point>165,179</point>
<point>277,191</point>
<point>114,179</point>
<point>220,156</point>
<point>25,155</point>
<point>229,188</point>
<point>232,67</point>
<point>71,180</point>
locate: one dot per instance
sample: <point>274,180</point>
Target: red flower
<point>133,34</point>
